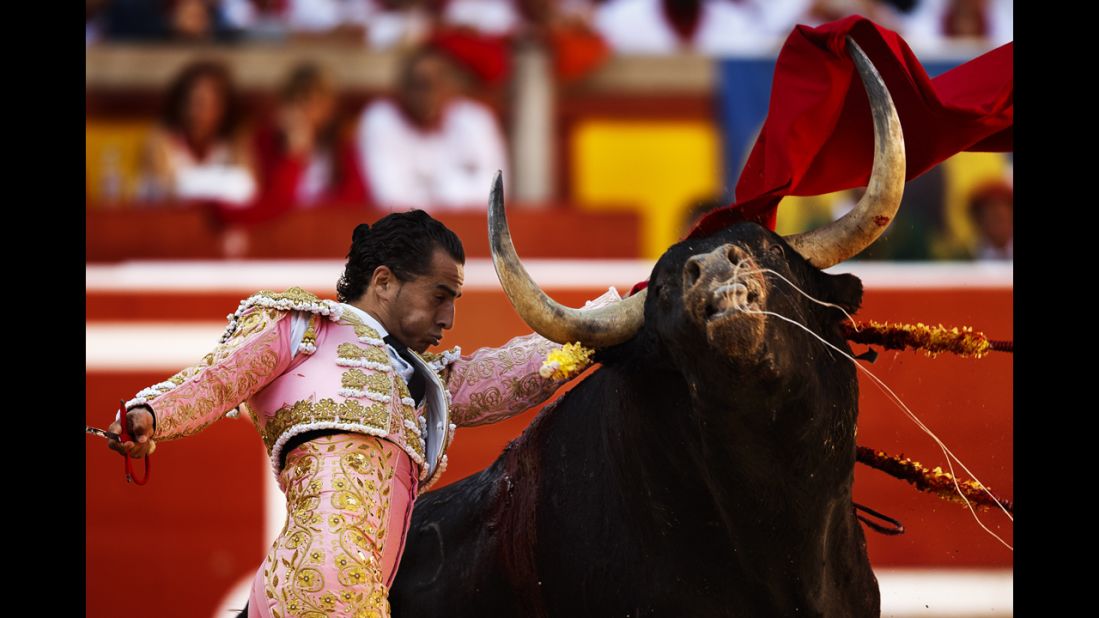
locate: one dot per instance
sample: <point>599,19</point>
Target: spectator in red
<point>197,152</point>
<point>992,207</point>
<point>302,156</point>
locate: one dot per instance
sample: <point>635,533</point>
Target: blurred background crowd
<point>242,128</point>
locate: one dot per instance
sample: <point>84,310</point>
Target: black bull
<point>705,469</point>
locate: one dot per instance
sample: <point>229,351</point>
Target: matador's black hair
<point>403,241</point>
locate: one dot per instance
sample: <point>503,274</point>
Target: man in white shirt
<point>429,147</point>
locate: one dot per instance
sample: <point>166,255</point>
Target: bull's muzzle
<point>724,280</point>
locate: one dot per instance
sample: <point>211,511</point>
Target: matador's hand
<point>140,424</point>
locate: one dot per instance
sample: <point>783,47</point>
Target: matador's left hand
<point>140,424</point>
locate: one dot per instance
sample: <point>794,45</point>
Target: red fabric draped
<point>818,137</point>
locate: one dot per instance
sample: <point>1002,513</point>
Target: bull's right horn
<point>833,243</point>
<point>595,328</point>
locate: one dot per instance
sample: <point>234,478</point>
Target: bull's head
<point>723,284</point>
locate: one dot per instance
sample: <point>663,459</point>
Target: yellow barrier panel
<point>659,168</point>
<point>113,151</point>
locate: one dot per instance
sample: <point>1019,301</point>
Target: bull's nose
<point>717,264</point>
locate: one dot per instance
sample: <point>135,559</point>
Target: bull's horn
<point>595,328</point>
<point>833,243</point>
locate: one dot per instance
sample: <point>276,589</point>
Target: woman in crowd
<point>197,152</point>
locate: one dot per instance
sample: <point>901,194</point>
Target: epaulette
<point>293,299</point>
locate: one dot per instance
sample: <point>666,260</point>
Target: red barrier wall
<point>204,510</point>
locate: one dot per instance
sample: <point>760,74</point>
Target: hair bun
<point>362,230</point>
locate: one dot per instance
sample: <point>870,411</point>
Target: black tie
<point>416,385</point>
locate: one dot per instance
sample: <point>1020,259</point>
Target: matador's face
<point>423,307</point>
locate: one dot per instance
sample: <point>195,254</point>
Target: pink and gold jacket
<point>337,375</point>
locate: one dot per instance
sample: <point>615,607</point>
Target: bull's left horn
<point>831,244</point>
<point>595,328</point>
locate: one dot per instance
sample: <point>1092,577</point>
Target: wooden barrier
<point>192,233</point>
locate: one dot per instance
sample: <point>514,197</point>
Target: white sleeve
<point>299,321</point>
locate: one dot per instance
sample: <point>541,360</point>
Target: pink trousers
<point>349,502</point>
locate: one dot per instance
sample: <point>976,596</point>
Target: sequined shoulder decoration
<point>293,299</point>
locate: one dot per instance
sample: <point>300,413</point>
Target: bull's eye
<point>777,251</point>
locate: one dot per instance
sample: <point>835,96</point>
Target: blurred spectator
<point>381,23</point>
<point>403,24</point>
<point>328,19</point>
<point>992,206</point>
<point>302,156</point>
<point>191,20</point>
<point>429,147</point>
<point>702,26</point>
<point>823,11</point>
<point>506,17</point>
<point>481,35</point>
<point>933,22</point>
<point>566,28</point>
<point>197,153</point>
<point>498,17</point>
<point>257,19</point>
<point>157,20</point>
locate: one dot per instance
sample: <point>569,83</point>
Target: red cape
<point>818,137</point>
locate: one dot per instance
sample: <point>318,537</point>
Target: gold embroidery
<point>484,390</point>
<point>374,415</point>
<point>488,364</point>
<point>353,378</point>
<point>294,294</point>
<point>413,440</point>
<point>353,525</point>
<point>352,351</point>
<point>402,389</point>
<point>527,387</point>
<point>310,336</point>
<point>379,383</point>
<point>252,322</point>
<point>361,329</point>
<point>211,392</point>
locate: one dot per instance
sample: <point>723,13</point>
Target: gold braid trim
<point>931,339</point>
<point>933,481</point>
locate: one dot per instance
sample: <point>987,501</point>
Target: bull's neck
<point>785,483</point>
<point>795,430</point>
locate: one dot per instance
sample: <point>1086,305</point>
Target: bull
<point>706,468</point>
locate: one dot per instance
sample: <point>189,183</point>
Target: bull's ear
<point>844,290</point>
